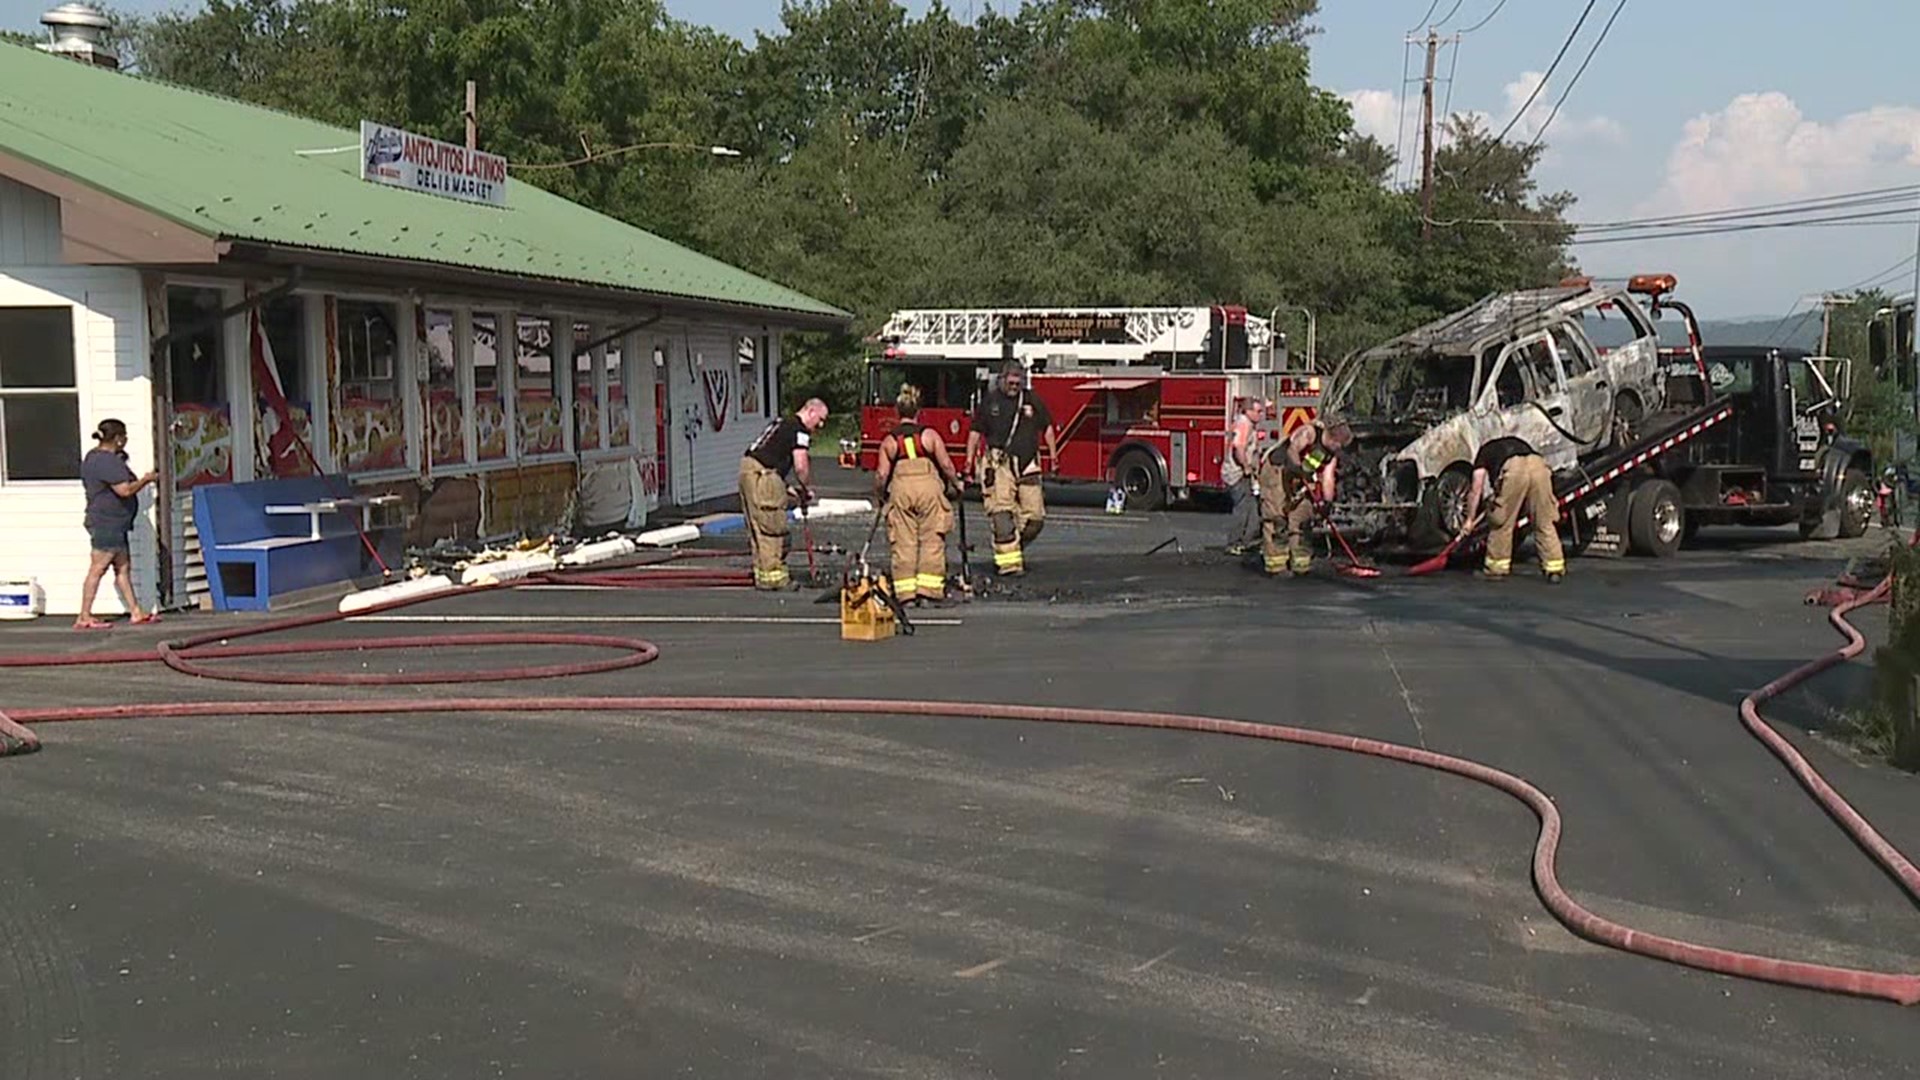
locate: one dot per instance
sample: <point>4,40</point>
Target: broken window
<point>1573,352</point>
<point>1400,386</point>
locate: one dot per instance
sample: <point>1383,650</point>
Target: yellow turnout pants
<point>1525,484</point>
<point>1281,512</point>
<point>763,499</point>
<point>1016,508</point>
<point>918,518</point>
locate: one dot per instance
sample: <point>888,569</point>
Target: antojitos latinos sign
<point>417,163</point>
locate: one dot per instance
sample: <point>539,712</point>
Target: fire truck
<point>1142,398</point>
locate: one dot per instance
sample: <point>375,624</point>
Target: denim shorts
<point>108,538</point>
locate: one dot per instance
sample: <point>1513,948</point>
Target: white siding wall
<point>29,226</point>
<point>44,535</point>
<point>715,468</point>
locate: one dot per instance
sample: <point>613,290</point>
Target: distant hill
<point>1795,332</point>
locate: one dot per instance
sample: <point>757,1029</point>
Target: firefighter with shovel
<point>915,481</point>
<point>1296,479</point>
<point>1521,482</point>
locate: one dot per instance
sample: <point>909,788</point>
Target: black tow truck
<point>1749,436</point>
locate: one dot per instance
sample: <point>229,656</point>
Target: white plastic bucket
<point>22,599</point>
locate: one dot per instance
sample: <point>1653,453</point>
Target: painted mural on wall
<point>446,437</point>
<point>202,445</point>
<point>291,460</point>
<point>719,396</point>
<point>541,416</point>
<point>489,407</point>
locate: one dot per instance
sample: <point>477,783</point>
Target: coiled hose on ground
<point>187,655</point>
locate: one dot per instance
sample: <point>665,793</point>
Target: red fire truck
<point>1142,397</point>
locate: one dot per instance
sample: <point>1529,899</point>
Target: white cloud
<point>1567,127</point>
<point>1375,113</point>
<point>1761,148</point>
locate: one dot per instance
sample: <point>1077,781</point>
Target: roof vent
<point>79,32</point>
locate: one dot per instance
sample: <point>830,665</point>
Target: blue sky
<point>1688,106</point>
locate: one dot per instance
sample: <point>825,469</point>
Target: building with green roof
<point>256,294</point>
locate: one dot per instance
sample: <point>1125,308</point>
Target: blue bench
<point>268,538</point>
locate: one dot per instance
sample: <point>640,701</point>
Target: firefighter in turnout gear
<point>779,451</point>
<point>1296,478</point>
<point>914,482</point>
<point>1520,481</point>
<point>1004,446</point>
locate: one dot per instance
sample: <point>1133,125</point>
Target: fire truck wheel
<point>1657,522</point>
<point>1139,476</point>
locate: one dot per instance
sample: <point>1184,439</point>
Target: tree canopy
<point>1076,152</point>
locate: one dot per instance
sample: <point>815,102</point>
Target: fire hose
<point>186,656</point>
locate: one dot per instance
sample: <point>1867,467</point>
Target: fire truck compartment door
<point>1177,461</point>
<point>1113,384</point>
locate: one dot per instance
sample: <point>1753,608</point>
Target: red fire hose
<point>184,655</point>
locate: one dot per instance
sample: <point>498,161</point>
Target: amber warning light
<point>1652,284</point>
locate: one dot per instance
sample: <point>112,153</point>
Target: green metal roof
<point>235,172</point>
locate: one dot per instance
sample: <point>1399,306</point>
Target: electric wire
<point>1451,12</point>
<point>1431,8</point>
<point>1400,125</point>
<point>1531,98</point>
<point>1488,19</point>
<point>1575,81</point>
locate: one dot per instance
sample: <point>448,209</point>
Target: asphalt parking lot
<point>736,895</point>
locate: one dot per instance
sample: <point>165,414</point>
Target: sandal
<point>149,617</point>
<point>92,624</point>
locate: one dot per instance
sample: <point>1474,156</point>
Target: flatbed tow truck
<point>1749,437</point>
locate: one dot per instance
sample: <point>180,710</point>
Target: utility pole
<point>1426,140</point>
<point>473,117</point>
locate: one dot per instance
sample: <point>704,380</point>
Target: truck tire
<point>1138,474</point>
<point>1657,521</point>
<point>1856,504</point>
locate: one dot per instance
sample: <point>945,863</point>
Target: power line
<point>1451,12</point>
<point>1877,217</point>
<point>1400,125</point>
<point>1542,84</point>
<point>1453,68</point>
<point>1488,19</point>
<point>1415,28</point>
<point>1838,201</point>
<point>1880,278</point>
<point>1575,81</point>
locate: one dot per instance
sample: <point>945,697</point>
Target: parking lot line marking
<point>803,619</point>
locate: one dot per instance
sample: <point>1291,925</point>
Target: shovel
<point>1355,567</point>
<point>1433,564</point>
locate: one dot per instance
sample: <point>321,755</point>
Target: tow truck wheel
<point>1657,521</point>
<point>1856,504</point>
<point>1139,476</point>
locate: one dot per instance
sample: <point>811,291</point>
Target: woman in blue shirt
<point>113,501</point>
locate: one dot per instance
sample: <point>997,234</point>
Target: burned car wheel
<point>1443,509</point>
<point>1628,417</point>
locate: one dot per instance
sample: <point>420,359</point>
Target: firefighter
<point>1520,480</point>
<point>1007,424</point>
<point>779,451</point>
<point>1296,478</point>
<point>1237,471</point>
<point>915,482</point>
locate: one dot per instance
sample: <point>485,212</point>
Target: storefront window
<point>586,400</point>
<point>39,396</point>
<point>539,407</point>
<point>749,355</point>
<point>446,438</point>
<point>371,421</point>
<point>619,415</point>
<point>489,404</point>
<point>202,429</point>
<point>278,362</point>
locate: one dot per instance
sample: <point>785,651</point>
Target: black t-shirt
<point>1012,423</point>
<point>775,444</point>
<point>1494,455</point>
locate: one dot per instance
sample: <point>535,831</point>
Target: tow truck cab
<point>1781,458</point>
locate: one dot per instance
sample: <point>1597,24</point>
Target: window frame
<point>74,391</point>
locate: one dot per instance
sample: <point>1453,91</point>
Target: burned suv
<point>1521,363</point>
